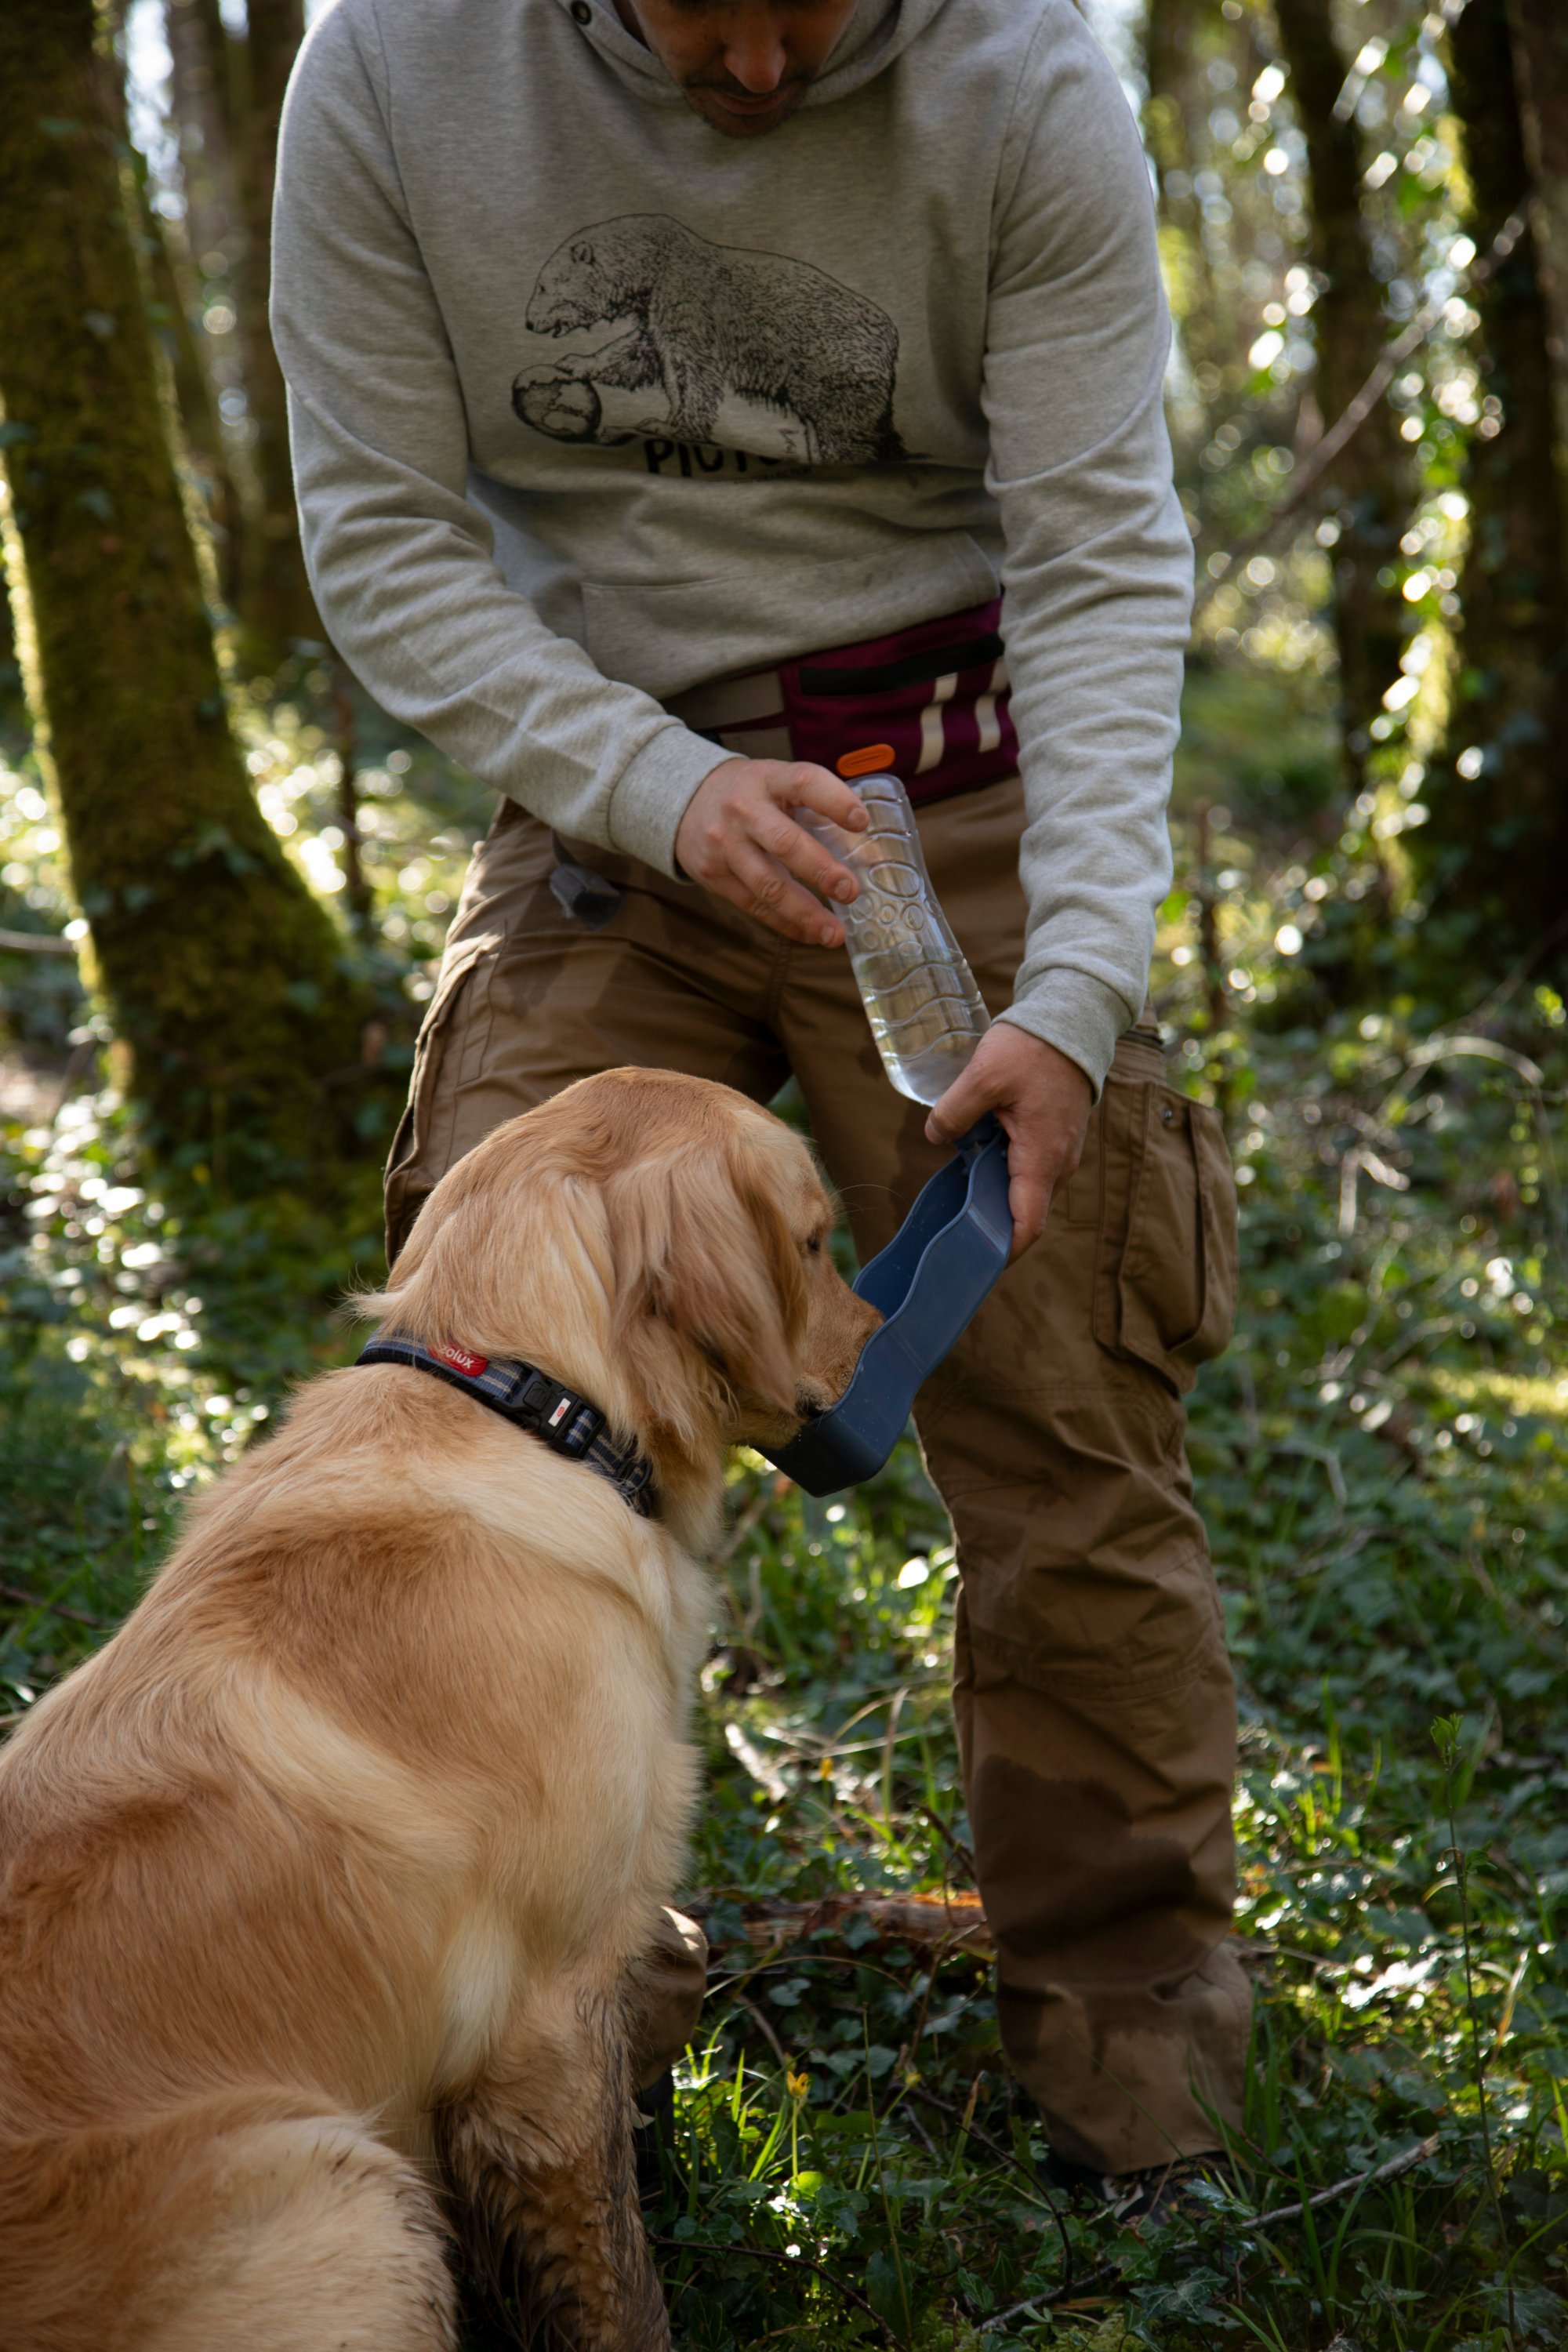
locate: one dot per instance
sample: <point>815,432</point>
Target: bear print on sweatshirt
<point>804,367</point>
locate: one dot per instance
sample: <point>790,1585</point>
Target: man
<point>674,384</point>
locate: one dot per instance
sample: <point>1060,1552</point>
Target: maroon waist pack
<point>929,704</point>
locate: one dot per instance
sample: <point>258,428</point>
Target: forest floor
<point>1381,1461</point>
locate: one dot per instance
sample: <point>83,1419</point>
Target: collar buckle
<point>567,1421</point>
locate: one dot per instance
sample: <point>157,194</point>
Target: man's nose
<point>754,53</point>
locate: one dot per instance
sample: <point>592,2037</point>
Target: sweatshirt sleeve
<point>399,558</point>
<point>1098,572</point>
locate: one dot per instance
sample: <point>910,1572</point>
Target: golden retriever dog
<point>322,1883</point>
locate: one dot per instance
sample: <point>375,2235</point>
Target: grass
<point>1381,1457</point>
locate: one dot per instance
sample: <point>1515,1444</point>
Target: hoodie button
<point>581,13</point>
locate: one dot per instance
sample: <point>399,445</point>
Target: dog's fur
<point>320,1884</point>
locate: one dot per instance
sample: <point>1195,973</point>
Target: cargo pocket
<point>1166,1282</point>
<point>417,1162</point>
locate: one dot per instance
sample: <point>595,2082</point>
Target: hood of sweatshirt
<point>880,31</point>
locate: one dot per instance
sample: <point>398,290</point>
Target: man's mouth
<point>746,102</point>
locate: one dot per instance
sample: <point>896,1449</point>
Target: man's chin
<point>744,122</point>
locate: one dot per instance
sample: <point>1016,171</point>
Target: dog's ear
<point>706,1260</point>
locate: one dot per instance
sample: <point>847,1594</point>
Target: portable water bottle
<point>927,1016</point>
<point>926,1013</point>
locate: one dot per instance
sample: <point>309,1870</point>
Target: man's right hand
<point>739,839</point>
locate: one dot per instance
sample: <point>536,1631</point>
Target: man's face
<point>743,65</point>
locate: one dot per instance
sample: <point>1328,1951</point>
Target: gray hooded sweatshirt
<point>518,285</point>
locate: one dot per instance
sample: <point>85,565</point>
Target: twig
<point>742,1528</point>
<point>755,2014</point>
<point>793,2261</point>
<point>1004,2155</point>
<point>81,1059</point>
<point>1098,2277</point>
<point>19,1594</point>
<point>1348,424</point>
<point>46,943</point>
<point>896,1709</point>
<point>955,1845</point>
<point>756,1764</point>
<point>1389,2171</point>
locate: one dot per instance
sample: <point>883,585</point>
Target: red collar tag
<point>461,1361</point>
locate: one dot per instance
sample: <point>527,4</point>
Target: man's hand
<point>1042,1101</point>
<point>739,841</point>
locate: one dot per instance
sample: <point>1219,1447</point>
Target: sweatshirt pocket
<point>1166,1287</point>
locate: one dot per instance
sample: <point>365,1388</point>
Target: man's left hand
<point>1042,1100</point>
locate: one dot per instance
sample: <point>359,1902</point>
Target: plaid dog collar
<point>532,1400</point>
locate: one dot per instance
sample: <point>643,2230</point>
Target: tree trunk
<point>204,249</point>
<point>1370,486</point>
<point>278,607</point>
<point>229,97</point>
<point>225,977</point>
<point>1498,842</point>
<point>204,449</point>
<point>1541,57</point>
<point>1200,315</point>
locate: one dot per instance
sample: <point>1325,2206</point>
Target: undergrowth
<point>1381,1460</point>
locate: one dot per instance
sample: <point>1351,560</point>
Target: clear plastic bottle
<point>926,1013</point>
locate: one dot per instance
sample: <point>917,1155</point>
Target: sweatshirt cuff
<point>651,797</point>
<point>1081,1016</point>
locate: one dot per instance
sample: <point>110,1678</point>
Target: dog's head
<point>657,1242</point>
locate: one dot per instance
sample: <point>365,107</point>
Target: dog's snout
<point>847,1326</point>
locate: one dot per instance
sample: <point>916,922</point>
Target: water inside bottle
<point>926,1011</point>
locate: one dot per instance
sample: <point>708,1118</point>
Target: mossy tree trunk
<point>225,978</point>
<point>1370,490</point>
<point>1498,842</point>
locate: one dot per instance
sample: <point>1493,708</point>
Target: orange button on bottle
<point>867,761</point>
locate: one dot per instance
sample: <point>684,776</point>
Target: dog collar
<point>532,1400</point>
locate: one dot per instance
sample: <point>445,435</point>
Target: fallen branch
<point>957,1921</point>
<point>1389,2171</point>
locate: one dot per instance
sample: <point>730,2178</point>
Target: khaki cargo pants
<point>1095,1707</point>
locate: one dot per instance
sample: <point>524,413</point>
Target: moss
<point>226,980</point>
